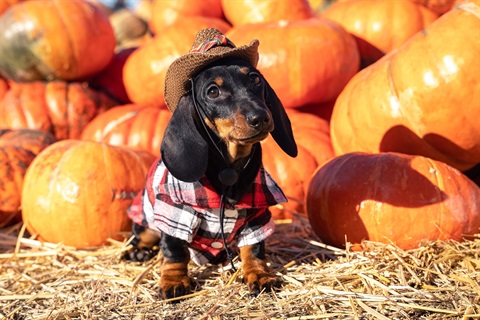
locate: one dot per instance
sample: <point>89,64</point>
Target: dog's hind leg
<point>145,244</point>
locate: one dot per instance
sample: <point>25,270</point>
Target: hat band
<point>218,40</point>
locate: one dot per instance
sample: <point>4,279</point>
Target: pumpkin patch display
<point>58,107</point>
<point>240,12</point>
<point>391,198</point>
<point>139,127</point>
<point>306,61</point>
<point>54,39</point>
<point>422,99</point>
<point>18,148</point>
<point>144,71</point>
<point>77,192</point>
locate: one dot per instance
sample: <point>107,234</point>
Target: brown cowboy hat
<point>209,45</point>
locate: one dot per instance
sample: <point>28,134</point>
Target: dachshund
<point>216,127</point>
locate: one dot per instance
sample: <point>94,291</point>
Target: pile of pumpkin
<point>383,97</point>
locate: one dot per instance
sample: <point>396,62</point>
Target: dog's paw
<point>140,254</point>
<point>258,282</point>
<point>175,286</point>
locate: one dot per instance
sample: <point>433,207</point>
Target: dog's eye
<point>254,77</point>
<point>213,92</point>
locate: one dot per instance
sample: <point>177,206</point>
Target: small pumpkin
<point>306,61</point>
<point>139,127</point>
<point>240,12</point>
<point>145,69</point>
<point>312,135</point>
<point>437,6</point>
<point>18,148</point>
<point>77,192</point>
<point>380,26</point>
<point>54,39</point>
<point>166,13</point>
<point>58,107</point>
<point>391,198</point>
<point>417,103</point>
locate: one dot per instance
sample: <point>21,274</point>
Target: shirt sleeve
<point>258,226</point>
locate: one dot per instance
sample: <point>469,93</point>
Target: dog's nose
<point>258,120</point>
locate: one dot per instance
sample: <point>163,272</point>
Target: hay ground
<point>439,280</point>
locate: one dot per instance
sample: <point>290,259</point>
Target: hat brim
<point>184,68</point>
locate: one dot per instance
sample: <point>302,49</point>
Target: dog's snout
<point>259,120</point>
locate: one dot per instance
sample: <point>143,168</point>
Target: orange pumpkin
<point>418,103</point>
<point>437,6</point>
<point>391,198</point>
<point>17,150</point>
<point>165,13</point>
<point>130,125</point>
<point>3,87</point>
<point>145,69</point>
<point>380,26</point>
<point>245,11</point>
<point>61,108</point>
<point>54,39</point>
<point>5,4</point>
<point>312,135</point>
<point>77,192</point>
<point>305,62</point>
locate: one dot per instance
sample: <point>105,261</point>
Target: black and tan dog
<point>209,188</point>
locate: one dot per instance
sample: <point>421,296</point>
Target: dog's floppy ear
<point>282,133</point>
<point>184,150</point>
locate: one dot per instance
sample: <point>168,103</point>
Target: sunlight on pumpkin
<point>430,79</point>
<point>451,68</point>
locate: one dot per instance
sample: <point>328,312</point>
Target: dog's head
<point>231,99</point>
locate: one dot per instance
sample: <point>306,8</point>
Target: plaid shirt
<point>190,211</point>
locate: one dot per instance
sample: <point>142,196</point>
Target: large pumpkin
<point>312,136</point>
<point>422,99</point>
<point>18,148</point>
<point>380,26</point>
<point>61,108</point>
<point>391,198</point>
<point>54,39</point>
<point>77,192</point>
<point>130,125</point>
<point>145,69</point>
<point>165,13</point>
<point>246,11</point>
<point>305,62</point>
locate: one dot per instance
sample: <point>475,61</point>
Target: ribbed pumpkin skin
<point>18,148</point>
<point>145,69</point>
<point>130,125</point>
<point>240,12</point>
<point>386,25</point>
<point>54,39</point>
<point>58,107</point>
<point>77,192</point>
<point>306,62</point>
<point>391,198</point>
<point>422,99</point>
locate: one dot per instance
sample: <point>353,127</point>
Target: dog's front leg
<point>174,279</point>
<point>257,275</point>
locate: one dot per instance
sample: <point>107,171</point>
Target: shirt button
<point>231,213</point>
<point>217,245</point>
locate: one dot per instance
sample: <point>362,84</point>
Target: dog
<point>209,188</point>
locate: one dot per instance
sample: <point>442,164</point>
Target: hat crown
<point>209,38</point>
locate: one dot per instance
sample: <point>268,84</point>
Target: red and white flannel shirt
<point>190,211</point>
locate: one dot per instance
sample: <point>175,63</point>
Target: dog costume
<point>190,210</point>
